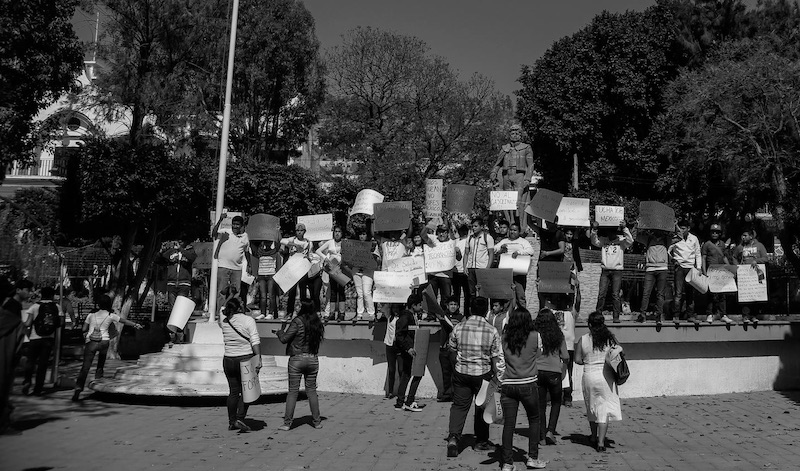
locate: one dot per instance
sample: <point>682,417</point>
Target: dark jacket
<point>404,335</point>
<point>179,264</point>
<point>295,338</point>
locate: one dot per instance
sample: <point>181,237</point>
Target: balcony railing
<point>41,169</point>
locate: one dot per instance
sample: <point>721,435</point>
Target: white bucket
<point>181,311</point>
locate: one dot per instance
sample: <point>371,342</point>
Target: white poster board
<point>318,226</point>
<point>609,216</point>
<point>503,200</point>
<point>291,271</point>
<point>752,283</point>
<point>433,198</point>
<point>440,258</point>
<point>413,265</point>
<point>573,212</point>
<point>392,287</point>
<point>251,386</point>
<point>520,265</point>
<point>365,200</point>
<point>722,278</point>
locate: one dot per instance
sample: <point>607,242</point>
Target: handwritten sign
<point>609,216</point>
<point>503,200</point>
<point>655,215</point>
<point>291,271</point>
<point>544,204</point>
<point>251,386</point>
<point>226,223</point>
<point>204,251</point>
<point>495,283</point>
<point>460,198</point>
<point>752,283</point>
<point>318,226</point>
<point>722,278</point>
<point>413,265</point>
<point>573,212</point>
<point>392,287</point>
<point>520,265</point>
<point>440,258</point>
<point>554,277</point>
<point>358,254</point>
<point>393,216</point>
<point>364,202</point>
<point>264,227</point>
<point>433,198</point>
<point>422,339</point>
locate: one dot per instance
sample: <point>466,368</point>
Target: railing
<point>41,169</point>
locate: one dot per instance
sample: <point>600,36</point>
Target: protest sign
<point>393,216</point>
<point>291,271</point>
<point>573,212</point>
<point>440,258</point>
<point>495,283</point>
<point>752,283</point>
<point>392,287</point>
<point>433,198</point>
<point>544,204</point>
<point>364,202</point>
<point>554,277</point>
<point>503,200</point>
<point>520,265</point>
<point>722,278</point>
<point>226,223</point>
<point>251,386</point>
<point>422,339</point>
<point>413,265</point>
<point>264,227</point>
<point>609,216</point>
<point>358,254</point>
<point>460,198</point>
<point>204,251</point>
<point>318,226</point>
<point>654,215</point>
<point>697,280</point>
<point>429,302</point>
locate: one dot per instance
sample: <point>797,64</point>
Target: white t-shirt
<point>31,313</point>
<point>519,245</point>
<point>392,250</point>
<point>103,319</point>
<point>479,250</point>
<point>461,244</point>
<point>304,245</point>
<point>331,250</point>
<point>232,250</point>
<point>391,326</point>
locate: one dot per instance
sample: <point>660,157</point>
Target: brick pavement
<point>733,431</point>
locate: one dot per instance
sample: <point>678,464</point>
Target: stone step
<point>163,376</point>
<point>146,388</point>
<point>178,360</point>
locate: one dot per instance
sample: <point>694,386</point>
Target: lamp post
<point>223,160</point>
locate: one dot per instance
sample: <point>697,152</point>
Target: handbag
<point>615,358</point>
<point>97,333</point>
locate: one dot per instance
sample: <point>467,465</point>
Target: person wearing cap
<point>293,246</point>
<point>713,253</point>
<point>685,252</point>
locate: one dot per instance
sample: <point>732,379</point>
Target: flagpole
<point>223,159</point>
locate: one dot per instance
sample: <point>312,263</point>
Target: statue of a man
<point>514,167</point>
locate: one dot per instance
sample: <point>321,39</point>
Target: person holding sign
<point>685,252</point>
<point>331,251</point>
<point>447,357</point>
<point>516,246</point>
<point>242,342</point>
<point>750,252</point>
<point>363,279</point>
<point>460,278</point>
<point>302,338</point>
<point>713,252</point>
<point>441,281</point>
<point>554,244</point>
<point>655,270</point>
<point>480,253</point>
<point>269,262</point>
<point>405,330</point>
<point>232,249</point>
<point>612,262</point>
<point>291,246</point>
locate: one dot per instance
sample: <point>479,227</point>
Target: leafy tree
<point>39,59</point>
<point>403,115</point>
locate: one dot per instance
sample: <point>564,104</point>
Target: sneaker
<point>536,463</point>
<point>285,428</point>
<point>360,317</point>
<point>399,406</point>
<point>640,317</point>
<point>726,320</point>
<point>509,467</point>
<point>452,447</point>
<point>413,407</point>
<point>317,426</point>
<point>241,426</point>
<point>710,319</point>
<point>261,316</point>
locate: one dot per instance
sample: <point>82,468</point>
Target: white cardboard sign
<point>520,265</point>
<point>433,197</point>
<point>752,283</point>
<point>291,271</point>
<point>573,212</point>
<point>364,202</point>
<point>609,216</point>
<point>503,200</point>
<point>392,287</point>
<point>440,258</point>
<point>318,226</point>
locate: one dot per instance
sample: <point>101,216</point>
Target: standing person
<point>242,342</point>
<point>612,260</point>
<point>572,254</point>
<point>331,253</point>
<point>554,244</point>
<point>297,245</point>
<point>232,249</point>
<point>550,364</point>
<point>269,259</point>
<point>566,322</point>
<point>178,258</point>
<point>315,280</point>
<point>393,362</point>
<point>404,342</point>
<point>43,319</point>
<point>685,253</point>
<point>498,315</point>
<point>97,340</point>
<point>713,252</point>
<point>363,279</point>
<point>460,278</point>
<point>479,254</point>
<point>599,390</point>
<point>655,270</point>
<point>302,339</point>
<point>750,252</point>
<point>447,356</point>
<point>440,281</point>
<point>12,332</point>
<point>521,350</point>
<point>516,246</point>
<point>479,357</point>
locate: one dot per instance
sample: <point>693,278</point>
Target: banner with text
<point>503,200</point>
<point>433,198</point>
<point>392,287</point>
<point>440,258</point>
<point>752,283</point>
<point>318,226</point>
<point>364,202</point>
<point>413,265</point>
<point>609,216</point>
<point>722,278</point>
<point>573,212</point>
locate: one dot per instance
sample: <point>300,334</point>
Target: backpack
<point>48,320</point>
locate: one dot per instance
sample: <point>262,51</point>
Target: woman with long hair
<point>331,252</point>
<point>550,366</point>
<point>242,342</point>
<point>521,350</point>
<point>302,339</point>
<point>599,390</point>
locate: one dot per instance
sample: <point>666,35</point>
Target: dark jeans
<point>512,396</point>
<point>659,280</point>
<point>441,284</point>
<point>549,382</point>
<point>315,286</point>
<point>472,281</point>
<point>305,364</point>
<point>683,304</point>
<point>447,359</point>
<point>716,304</point>
<point>237,409</point>
<point>405,361</point>
<point>268,295</point>
<point>89,350</point>
<point>520,283</point>
<point>465,388</point>
<point>461,285</point>
<point>613,278</point>
<point>392,362</point>
<point>337,292</point>
<point>302,285</point>
<point>38,358</point>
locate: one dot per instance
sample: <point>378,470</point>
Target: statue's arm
<point>529,161</point>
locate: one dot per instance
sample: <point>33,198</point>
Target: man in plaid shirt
<point>479,356</point>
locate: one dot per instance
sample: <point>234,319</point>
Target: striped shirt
<point>476,342</point>
<point>235,344</point>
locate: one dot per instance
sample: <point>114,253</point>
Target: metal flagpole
<point>223,160</point>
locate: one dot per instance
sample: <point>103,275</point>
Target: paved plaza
<point>758,430</point>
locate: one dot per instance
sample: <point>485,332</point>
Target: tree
<point>731,133</point>
<point>403,115</point>
<point>40,57</point>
